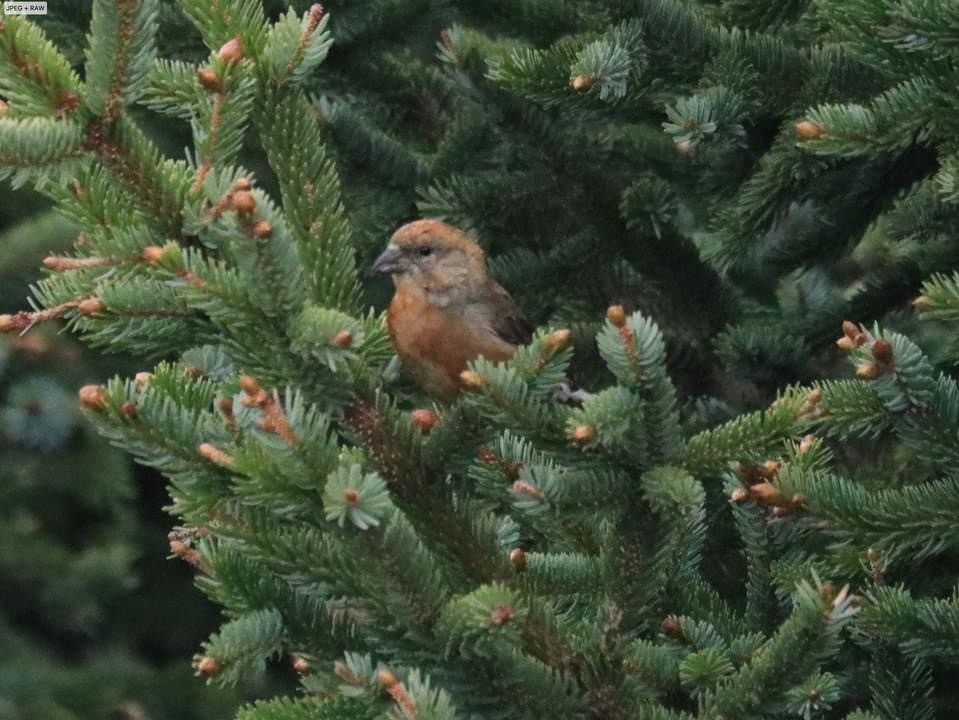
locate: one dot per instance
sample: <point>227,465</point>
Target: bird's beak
<point>389,261</point>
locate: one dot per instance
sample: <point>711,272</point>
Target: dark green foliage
<point>730,526</point>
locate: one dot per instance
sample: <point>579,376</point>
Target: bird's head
<point>432,255</point>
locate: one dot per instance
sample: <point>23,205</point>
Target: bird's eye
<point>424,250</point>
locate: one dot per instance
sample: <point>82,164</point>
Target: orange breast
<point>436,345</point>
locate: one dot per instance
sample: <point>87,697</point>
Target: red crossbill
<point>446,310</point>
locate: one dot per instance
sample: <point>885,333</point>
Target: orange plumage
<point>446,310</point>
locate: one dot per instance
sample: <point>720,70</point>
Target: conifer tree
<point>508,556</point>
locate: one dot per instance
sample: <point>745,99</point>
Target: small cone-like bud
<point>685,147</point>
<point>424,419</point>
<point>208,666</point>
<point>501,614</point>
<point>8,323</point>
<point>882,351</point>
<point>142,378</point>
<point>850,329</point>
<point>226,406</point>
<point>342,339</point>
<point>872,555</point>
<point>739,495</point>
<point>517,559</point>
<point>4,108</point>
<point>827,591</point>
<point>814,396</point>
<point>242,183</point>
<point>521,487</point>
<point>616,315</point>
<point>471,379</point>
<point>770,469</point>
<point>93,397</point>
<point>558,340</point>
<point>152,254</point>
<point>806,443</point>
<point>671,626</point>
<point>232,50</point>
<point>249,385</point>
<point>351,496</point>
<point>301,665</point>
<point>846,343</point>
<point>808,130</point>
<point>262,229</point>
<point>583,434</point>
<point>814,694</point>
<point>211,452</point>
<point>386,679</point>
<point>90,306</point>
<point>867,371</point>
<point>922,303</point>
<point>798,500</point>
<point>208,78</point>
<point>244,202</point>
<point>129,409</point>
<point>766,494</point>
<point>582,82</point>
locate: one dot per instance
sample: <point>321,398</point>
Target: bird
<point>446,310</point>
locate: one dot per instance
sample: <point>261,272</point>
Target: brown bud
<point>424,419</point>
<point>583,434</point>
<point>922,303</point>
<point>242,183</point>
<point>90,306</point>
<point>8,323</point>
<point>4,108</point>
<point>846,343</point>
<point>739,495</point>
<point>232,50</point>
<point>813,694</point>
<point>867,371</point>
<point>827,591</point>
<point>685,147</point>
<point>93,397</point>
<point>386,679</point>
<point>179,548</point>
<point>798,500</point>
<point>806,443</point>
<point>766,494</point>
<point>249,385</point>
<point>850,329</point>
<point>882,351</point>
<point>244,202</point>
<point>616,315</point>
<point>814,396</point>
<point>211,452</point>
<point>770,469</point>
<point>142,378</point>
<point>342,339</point>
<point>208,78</point>
<point>226,405</point>
<point>351,496</point>
<point>208,666</point>
<point>558,340</point>
<point>582,82</point>
<point>262,229</point>
<point>808,130</point>
<point>301,665</point>
<point>521,487</point>
<point>471,379</point>
<point>501,614</point>
<point>517,559</point>
<point>152,254</point>
<point>129,409</point>
<point>671,626</point>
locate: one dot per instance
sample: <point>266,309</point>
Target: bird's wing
<point>507,319</point>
